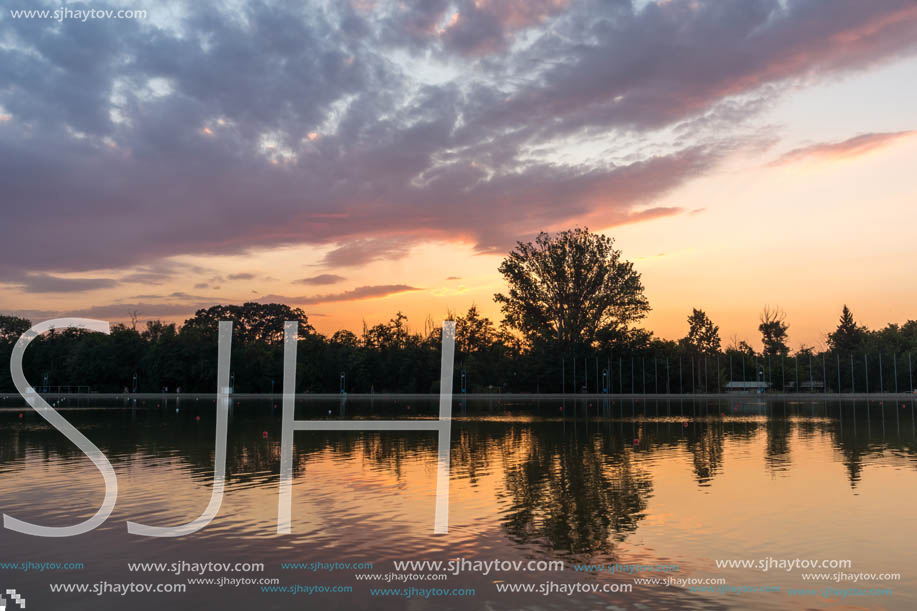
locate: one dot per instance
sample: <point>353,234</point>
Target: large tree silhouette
<point>571,290</point>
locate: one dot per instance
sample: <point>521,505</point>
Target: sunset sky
<point>355,159</point>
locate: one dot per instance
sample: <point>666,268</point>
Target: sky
<point>359,158</point>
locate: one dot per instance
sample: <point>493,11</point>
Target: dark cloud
<point>46,283</point>
<point>321,279</point>
<point>241,276</point>
<point>357,294</point>
<point>371,127</point>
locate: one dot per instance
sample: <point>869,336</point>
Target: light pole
<point>343,382</point>
<point>232,382</point>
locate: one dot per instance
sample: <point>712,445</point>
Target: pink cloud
<point>852,147</point>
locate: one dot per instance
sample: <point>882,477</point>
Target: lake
<point>661,491</point>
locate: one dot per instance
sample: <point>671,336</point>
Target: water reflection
<point>577,479</point>
<point>572,478</point>
<point>574,495</point>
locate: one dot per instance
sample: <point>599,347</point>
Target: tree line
<point>571,313</point>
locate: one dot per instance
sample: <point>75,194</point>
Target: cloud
<point>160,272</point>
<point>241,276</point>
<point>852,147</point>
<point>144,278</point>
<point>321,279</point>
<point>467,27</point>
<point>181,295</point>
<point>360,252</point>
<point>653,213</point>
<point>357,294</point>
<point>46,283</point>
<point>185,296</point>
<point>120,311</point>
<point>454,278</point>
<point>195,136</point>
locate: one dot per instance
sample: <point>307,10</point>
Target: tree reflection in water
<point>575,480</point>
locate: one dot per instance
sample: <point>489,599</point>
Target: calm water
<point>655,482</point>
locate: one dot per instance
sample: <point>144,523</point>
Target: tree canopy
<point>773,330</point>
<point>12,327</point>
<point>703,336</point>
<point>252,322</point>
<point>571,290</point>
<point>848,335</point>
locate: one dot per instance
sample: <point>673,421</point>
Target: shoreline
<point>483,396</point>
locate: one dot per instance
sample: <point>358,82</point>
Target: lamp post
<point>343,382</point>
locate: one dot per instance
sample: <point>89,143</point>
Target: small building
<point>747,387</point>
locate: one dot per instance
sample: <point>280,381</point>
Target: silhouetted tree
<point>570,290</point>
<point>12,327</point>
<point>253,322</point>
<point>703,336</point>
<point>474,332</point>
<point>773,330</point>
<point>848,336</point>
